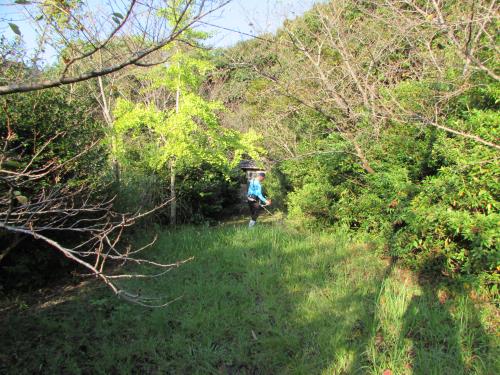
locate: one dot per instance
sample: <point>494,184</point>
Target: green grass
<point>266,301</point>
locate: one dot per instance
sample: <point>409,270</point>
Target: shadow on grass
<point>253,302</point>
<point>442,343</point>
<point>362,362</point>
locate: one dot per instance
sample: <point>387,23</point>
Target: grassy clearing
<point>265,301</point>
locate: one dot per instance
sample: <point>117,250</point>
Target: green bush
<point>374,206</point>
<point>276,188</point>
<point>455,215</point>
<point>40,129</point>
<point>311,205</point>
<point>433,194</point>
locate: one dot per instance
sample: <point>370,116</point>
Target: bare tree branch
<point>184,20</point>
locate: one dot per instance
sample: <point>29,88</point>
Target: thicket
<point>169,143</point>
<point>374,117</point>
<point>50,149</point>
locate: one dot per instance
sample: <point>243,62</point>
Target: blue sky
<point>247,16</point>
<point>255,17</point>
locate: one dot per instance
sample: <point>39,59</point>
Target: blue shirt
<point>255,188</point>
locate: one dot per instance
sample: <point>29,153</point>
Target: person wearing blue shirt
<point>255,197</point>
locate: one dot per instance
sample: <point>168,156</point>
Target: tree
<point>76,31</point>
<point>53,186</point>
<point>41,196</point>
<point>184,133</point>
<point>383,116</point>
<point>346,60</point>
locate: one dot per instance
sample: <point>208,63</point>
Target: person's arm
<point>258,193</point>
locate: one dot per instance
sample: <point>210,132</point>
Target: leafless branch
<point>139,48</point>
<point>78,222</point>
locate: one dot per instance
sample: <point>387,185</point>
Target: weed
<point>266,301</point>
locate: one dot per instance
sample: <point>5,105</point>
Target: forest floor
<point>263,301</point>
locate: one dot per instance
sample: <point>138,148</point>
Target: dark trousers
<point>254,209</point>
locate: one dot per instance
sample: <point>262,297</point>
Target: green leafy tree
<point>185,134</point>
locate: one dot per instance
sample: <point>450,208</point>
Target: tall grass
<point>262,301</point>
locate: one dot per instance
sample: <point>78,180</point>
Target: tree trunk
<point>173,197</point>
<point>116,170</point>
<point>109,121</point>
<point>364,162</point>
<point>359,152</point>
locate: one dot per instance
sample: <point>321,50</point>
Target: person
<point>255,197</point>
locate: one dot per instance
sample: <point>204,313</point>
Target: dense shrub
<point>50,127</point>
<point>433,194</point>
<point>311,204</point>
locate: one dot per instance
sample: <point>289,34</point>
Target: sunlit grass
<point>261,301</point>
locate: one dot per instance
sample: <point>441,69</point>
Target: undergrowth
<point>263,301</point>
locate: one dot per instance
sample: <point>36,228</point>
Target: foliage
<point>36,118</point>
<point>403,145</point>
<point>47,128</point>
<point>311,204</point>
<point>185,134</point>
<point>91,42</point>
<point>379,124</point>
